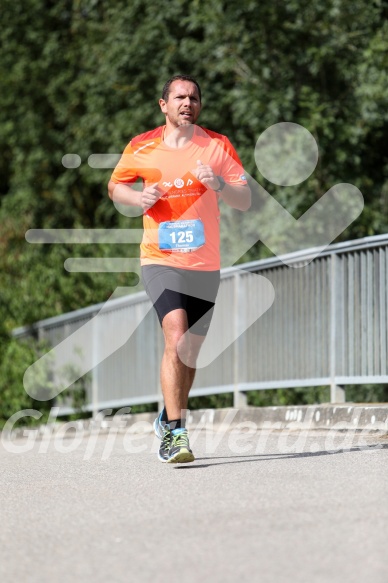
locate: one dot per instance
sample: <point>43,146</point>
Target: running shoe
<point>164,448</point>
<point>179,451</point>
<point>159,426</point>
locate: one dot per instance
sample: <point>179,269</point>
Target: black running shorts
<point>170,288</point>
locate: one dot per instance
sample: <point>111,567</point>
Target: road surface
<point>264,506</point>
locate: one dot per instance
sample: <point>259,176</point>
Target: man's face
<point>183,105</point>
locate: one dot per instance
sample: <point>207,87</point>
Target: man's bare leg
<point>177,377</point>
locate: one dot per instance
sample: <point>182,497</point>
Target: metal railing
<point>327,326</point>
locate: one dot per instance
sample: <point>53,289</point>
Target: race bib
<point>183,236</point>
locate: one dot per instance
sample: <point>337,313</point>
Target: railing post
<point>95,352</point>
<point>337,393</point>
<point>240,399</point>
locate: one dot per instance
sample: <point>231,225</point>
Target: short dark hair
<point>167,85</point>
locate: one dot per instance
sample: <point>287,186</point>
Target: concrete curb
<point>339,417</point>
<point>342,417</point>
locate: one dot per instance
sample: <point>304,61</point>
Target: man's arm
<point>124,194</point>
<point>237,196</point>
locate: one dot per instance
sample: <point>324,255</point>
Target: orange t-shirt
<point>184,197</point>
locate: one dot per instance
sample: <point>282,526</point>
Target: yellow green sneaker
<point>164,448</point>
<point>179,451</point>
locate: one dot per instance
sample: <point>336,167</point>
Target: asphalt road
<point>268,507</point>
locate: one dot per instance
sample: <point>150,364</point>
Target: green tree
<point>84,76</point>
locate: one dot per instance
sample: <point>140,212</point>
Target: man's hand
<point>149,196</point>
<point>237,196</point>
<point>205,174</point>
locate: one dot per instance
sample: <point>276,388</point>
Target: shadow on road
<point>272,456</point>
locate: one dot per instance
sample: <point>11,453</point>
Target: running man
<point>185,170</point>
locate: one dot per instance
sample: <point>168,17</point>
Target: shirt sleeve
<point>126,171</point>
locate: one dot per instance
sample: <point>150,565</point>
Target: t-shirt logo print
<point>188,185</point>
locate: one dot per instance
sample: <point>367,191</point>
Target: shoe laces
<point>166,437</point>
<point>180,439</point>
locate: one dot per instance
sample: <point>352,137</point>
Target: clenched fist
<point>205,174</point>
<point>150,196</point>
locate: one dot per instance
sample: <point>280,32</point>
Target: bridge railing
<point>327,326</point>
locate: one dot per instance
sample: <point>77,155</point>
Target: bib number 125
<point>182,237</point>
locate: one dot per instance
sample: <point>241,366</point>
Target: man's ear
<point>163,105</point>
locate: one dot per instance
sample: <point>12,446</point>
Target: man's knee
<point>174,326</point>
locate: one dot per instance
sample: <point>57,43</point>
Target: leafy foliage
<point>83,76</point>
